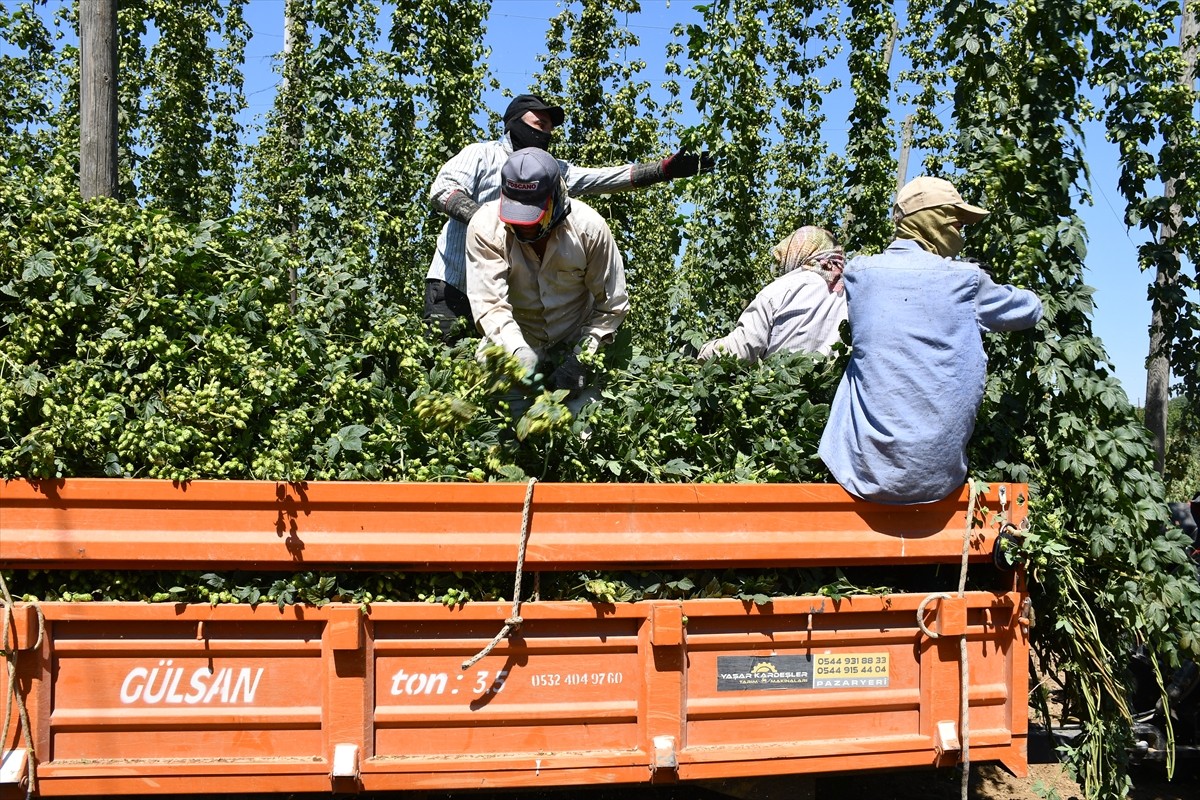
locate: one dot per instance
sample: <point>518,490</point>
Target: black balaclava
<point>525,135</point>
<point>521,133</point>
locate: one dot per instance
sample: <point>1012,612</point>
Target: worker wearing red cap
<point>545,277</point>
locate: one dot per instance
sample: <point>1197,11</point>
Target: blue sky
<point>1122,310</point>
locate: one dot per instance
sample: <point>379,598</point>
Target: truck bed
<point>156,699</point>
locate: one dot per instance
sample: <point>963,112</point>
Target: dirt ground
<point>992,782</point>
<point>988,782</point>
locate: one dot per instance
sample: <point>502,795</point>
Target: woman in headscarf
<point>798,311</point>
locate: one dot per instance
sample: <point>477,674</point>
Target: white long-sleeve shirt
<point>475,171</point>
<point>795,312</point>
<point>575,290</point>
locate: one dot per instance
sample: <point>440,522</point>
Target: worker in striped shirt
<point>472,178</point>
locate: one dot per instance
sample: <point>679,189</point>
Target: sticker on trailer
<point>851,670</point>
<point>822,671</point>
<point>744,673</point>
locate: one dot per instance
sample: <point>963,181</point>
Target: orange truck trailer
<point>128,698</point>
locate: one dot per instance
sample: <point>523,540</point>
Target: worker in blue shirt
<point>905,408</point>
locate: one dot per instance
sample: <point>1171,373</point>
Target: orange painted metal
<point>155,699</point>
<point>102,523</point>
<point>162,699</point>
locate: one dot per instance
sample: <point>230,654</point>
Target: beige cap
<point>926,192</point>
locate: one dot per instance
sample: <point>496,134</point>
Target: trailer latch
<point>951,619</point>
<point>345,629</point>
<point>345,761</point>
<point>27,626</point>
<point>666,625</point>
<point>945,739</point>
<point>664,753</point>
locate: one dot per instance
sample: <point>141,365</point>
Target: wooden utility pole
<point>905,149</point>
<point>292,25</point>
<point>891,45</point>
<point>97,98</point>
<point>1158,362</point>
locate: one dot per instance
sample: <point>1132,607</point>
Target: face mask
<point>933,229</point>
<point>525,135</point>
<point>952,243</point>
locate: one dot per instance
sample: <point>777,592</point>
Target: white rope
<point>514,620</point>
<point>964,677</point>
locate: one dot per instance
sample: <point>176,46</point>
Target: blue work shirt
<point>905,408</point>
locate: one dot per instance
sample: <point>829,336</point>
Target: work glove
<point>571,375</point>
<point>685,165</point>
<point>458,205</point>
<point>708,350</point>
<point>679,165</point>
<point>527,359</point>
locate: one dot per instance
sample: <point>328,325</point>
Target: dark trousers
<point>444,307</point>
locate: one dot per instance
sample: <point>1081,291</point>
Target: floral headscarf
<point>814,249</point>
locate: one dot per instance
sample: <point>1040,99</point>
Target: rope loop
<point>6,622</point>
<point>514,619</point>
<point>921,613</point>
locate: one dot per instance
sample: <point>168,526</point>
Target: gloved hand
<point>685,165</point>
<point>708,350</point>
<point>527,359</point>
<point>571,375</point>
<point>458,205</point>
<point>680,165</point>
